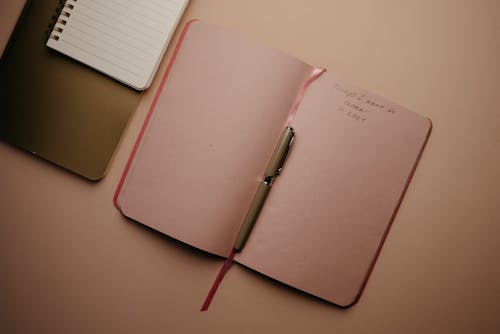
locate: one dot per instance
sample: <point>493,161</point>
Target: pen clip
<point>280,153</point>
<point>285,156</point>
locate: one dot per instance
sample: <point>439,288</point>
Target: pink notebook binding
<point>211,130</point>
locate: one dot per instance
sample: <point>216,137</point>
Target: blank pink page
<point>210,136</point>
<point>327,214</point>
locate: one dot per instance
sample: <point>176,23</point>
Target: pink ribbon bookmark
<point>300,95</point>
<point>222,272</point>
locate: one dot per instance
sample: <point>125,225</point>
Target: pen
<point>273,169</point>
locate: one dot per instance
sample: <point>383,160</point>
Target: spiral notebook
<point>123,39</point>
<point>55,107</point>
<point>211,130</point>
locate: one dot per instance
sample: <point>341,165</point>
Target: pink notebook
<point>211,130</point>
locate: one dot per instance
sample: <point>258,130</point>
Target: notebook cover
<point>56,107</point>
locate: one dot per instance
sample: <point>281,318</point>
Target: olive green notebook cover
<point>56,107</point>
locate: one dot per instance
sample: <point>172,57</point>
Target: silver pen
<point>272,171</point>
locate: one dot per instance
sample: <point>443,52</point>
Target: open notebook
<point>211,131</point>
<point>123,39</point>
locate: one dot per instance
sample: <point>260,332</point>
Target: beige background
<point>70,263</point>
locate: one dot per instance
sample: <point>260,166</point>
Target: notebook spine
<point>60,19</point>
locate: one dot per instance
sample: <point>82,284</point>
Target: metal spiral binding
<point>59,20</point>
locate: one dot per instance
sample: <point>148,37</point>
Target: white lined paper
<point>123,39</point>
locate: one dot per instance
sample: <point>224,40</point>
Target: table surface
<point>71,263</point>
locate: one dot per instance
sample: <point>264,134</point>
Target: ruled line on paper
<point>105,32</point>
<point>157,20</point>
<point>107,27</point>
<point>98,50</point>
<point>113,10</point>
<point>156,4</point>
<point>100,43</point>
<point>119,22</point>
<point>103,59</point>
<point>144,5</point>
